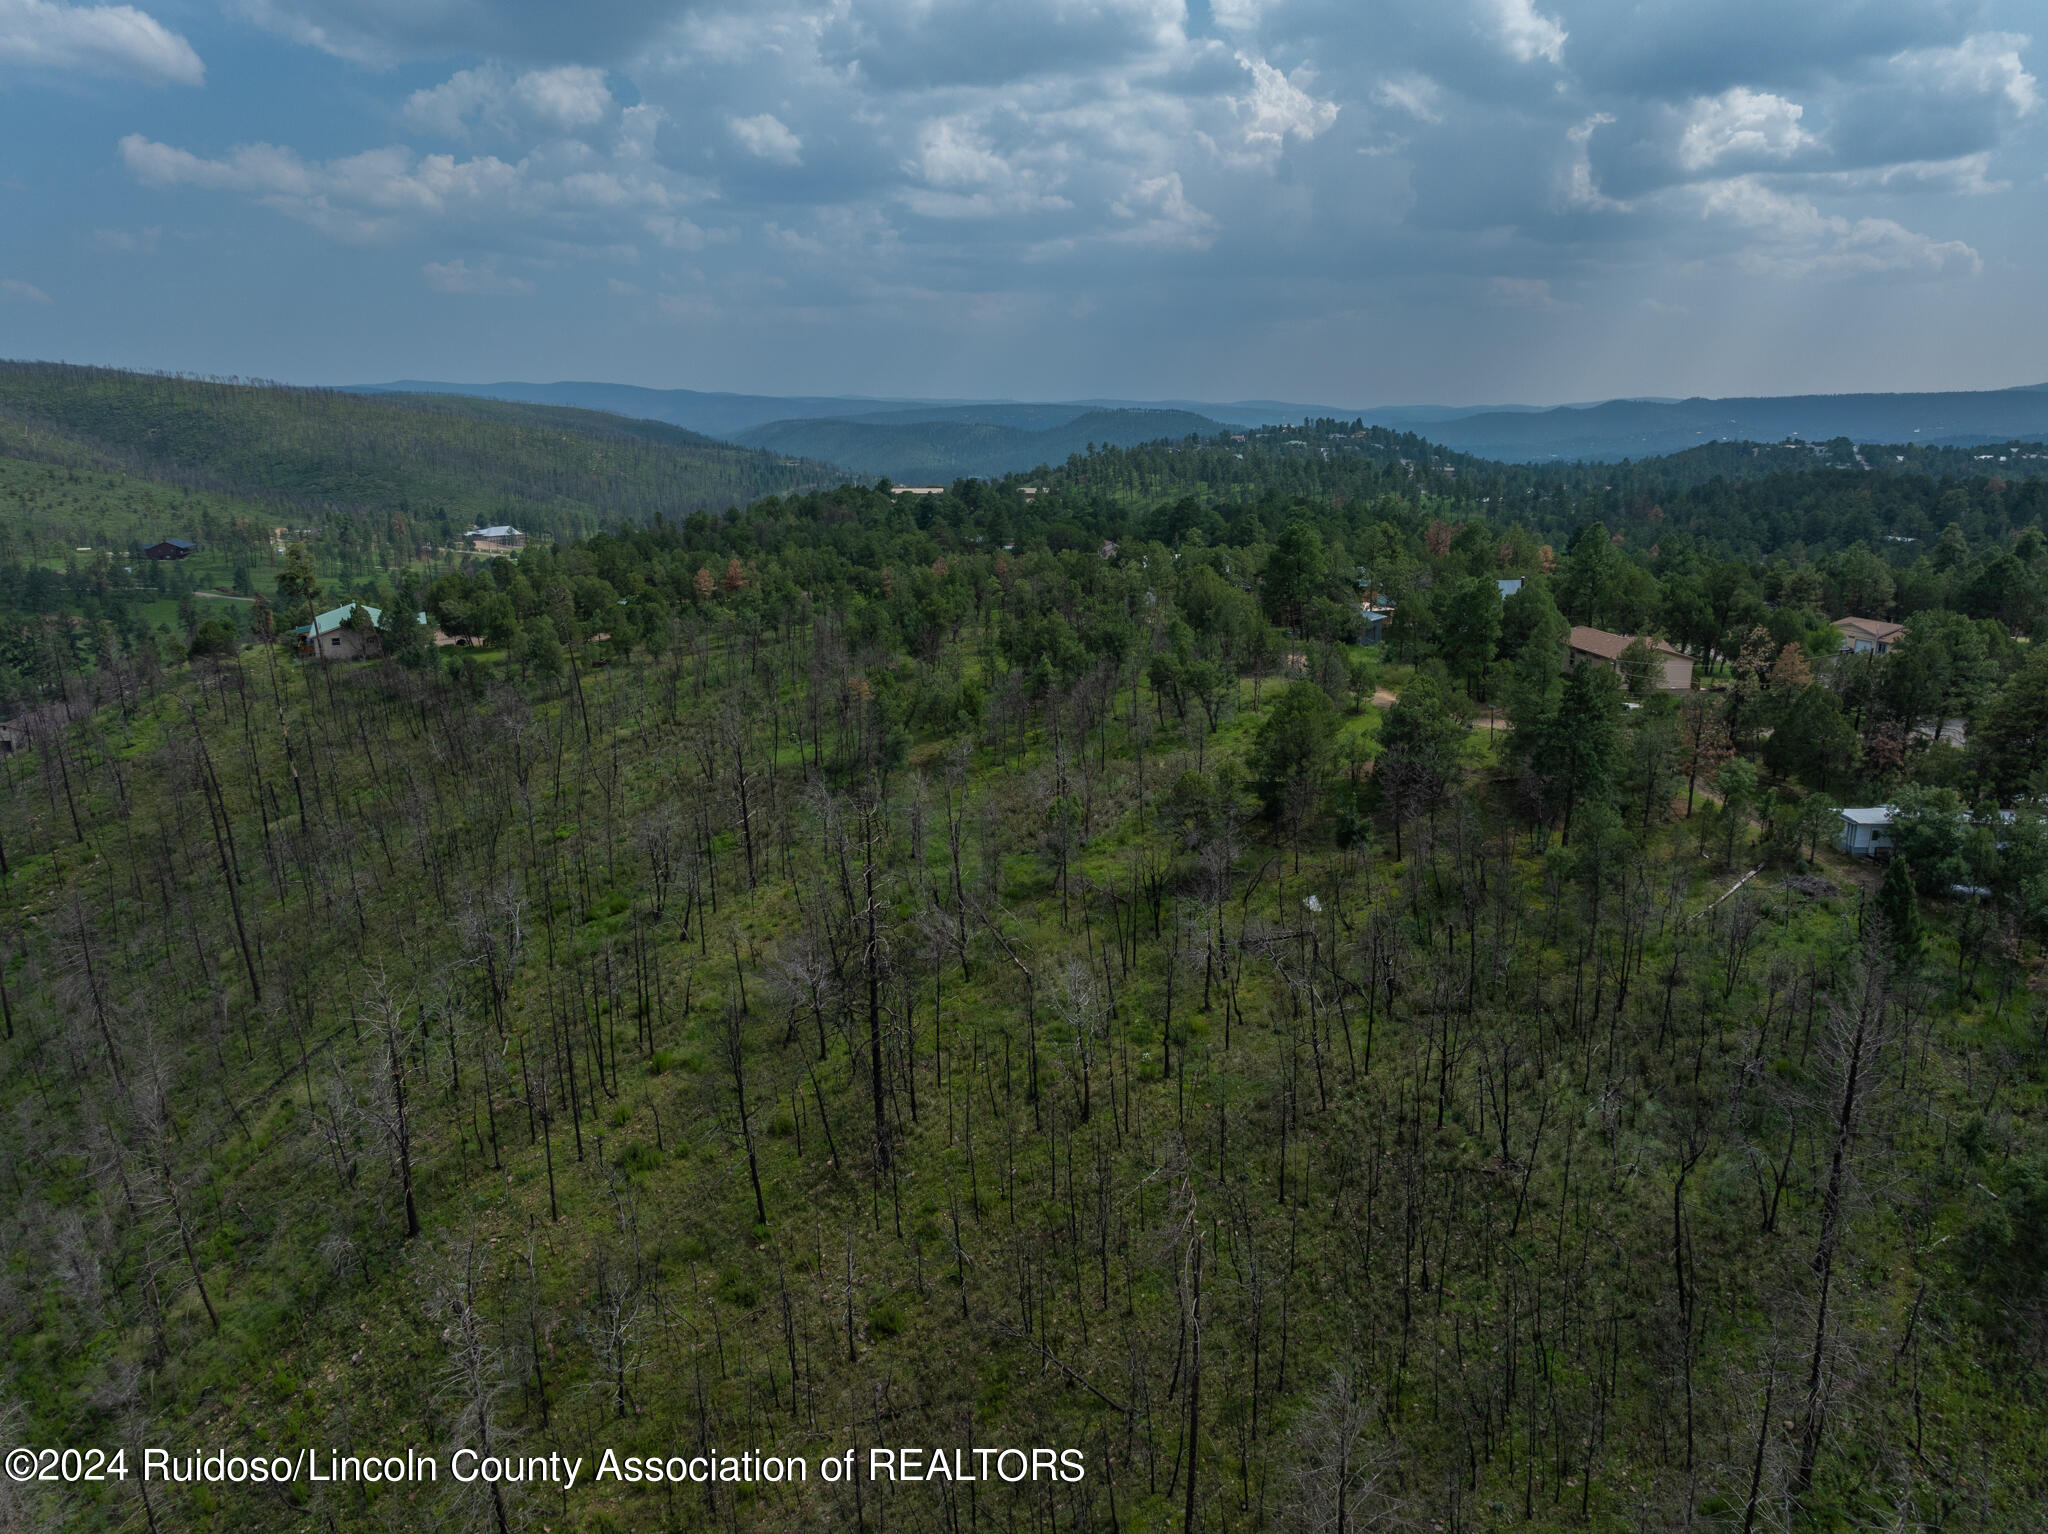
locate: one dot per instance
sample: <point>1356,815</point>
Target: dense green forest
<point>96,465</point>
<point>430,464</point>
<point>1005,969</point>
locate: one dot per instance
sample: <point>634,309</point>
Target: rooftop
<point>1609,646</point>
<point>1883,816</point>
<point>337,617</point>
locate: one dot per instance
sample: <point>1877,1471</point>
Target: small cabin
<point>1866,832</point>
<point>170,548</point>
<point>330,636</point>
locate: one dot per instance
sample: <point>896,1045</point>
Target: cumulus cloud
<point>765,138</point>
<point>381,193</point>
<point>563,99</point>
<point>263,168</point>
<point>14,290</point>
<point>1793,238</point>
<point>1987,64</point>
<point>99,39</point>
<point>1935,103</point>
<point>449,108</point>
<point>1581,190</point>
<point>1527,33</point>
<point>1160,214</point>
<point>458,276</point>
<point>573,96</point>
<point>963,177</point>
<point>1967,175</point>
<point>1237,15</point>
<point>947,153</point>
<point>1742,124</point>
<point>1278,106</point>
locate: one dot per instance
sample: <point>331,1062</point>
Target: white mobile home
<point>1866,832</point>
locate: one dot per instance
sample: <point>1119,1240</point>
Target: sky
<point>1403,201</point>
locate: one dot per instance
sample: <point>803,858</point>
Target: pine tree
<point>1900,910</point>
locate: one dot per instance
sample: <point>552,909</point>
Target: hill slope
<point>874,1016</point>
<point>1639,428</point>
<point>715,413</point>
<point>1599,432</point>
<point>552,469</point>
<point>943,450</point>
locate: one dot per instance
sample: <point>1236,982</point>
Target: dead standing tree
<point>611,1326</point>
<point>732,1040</point>
<point>1342,1473</point>
<point>157,1134</point>
<point>1858,1032</point>
<point>475,1377</point>
<point>393,1024</point>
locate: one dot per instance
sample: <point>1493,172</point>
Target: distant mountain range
<point>943,449</point>
<point>939,440</point>
<point>1647,428</point>
<point>727,415</point>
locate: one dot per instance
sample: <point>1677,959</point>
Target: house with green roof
<point>334,635</point>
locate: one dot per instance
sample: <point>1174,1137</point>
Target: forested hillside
<point>440,461</point>
<point>925,447</point>
<point>1637,428</point>
<point>97,465</point>
<point>1003,970</point>
<point>1752,499</point>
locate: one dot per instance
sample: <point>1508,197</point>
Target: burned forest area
<point>984,971</point>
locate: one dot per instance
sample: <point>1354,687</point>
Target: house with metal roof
<point>170,548</point>
<point>499,539</point>
<point>1865,832</point>
<point>332,636</point>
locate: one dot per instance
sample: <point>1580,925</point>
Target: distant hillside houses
<point>170,548</point>
<point>500,539</point>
